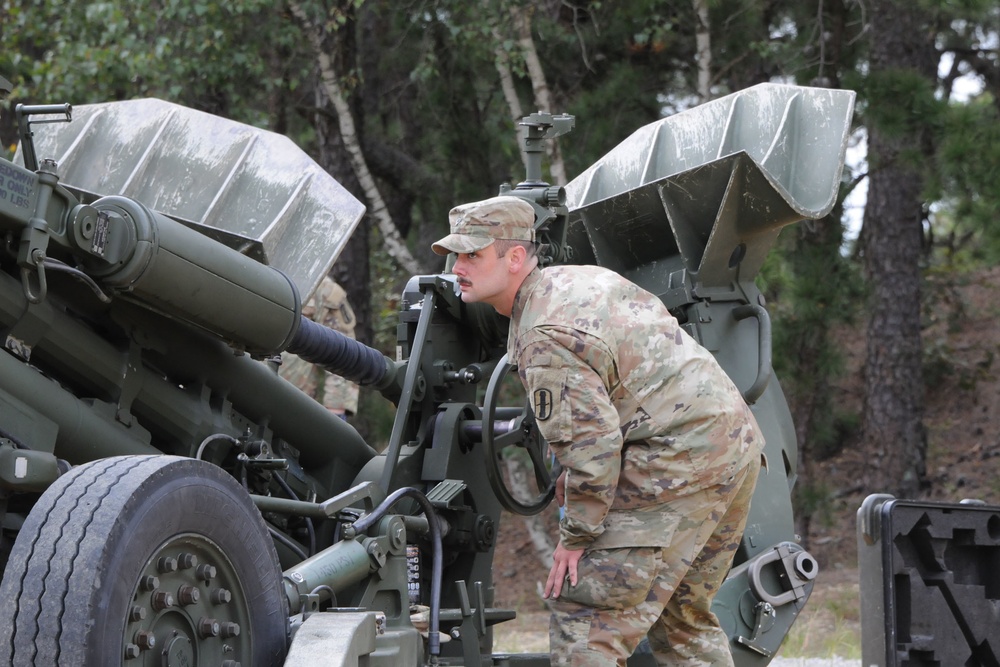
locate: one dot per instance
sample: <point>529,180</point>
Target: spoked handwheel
<point>518,429</point>
<point>143,560</point>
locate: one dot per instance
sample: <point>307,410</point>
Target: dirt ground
<point>962,406</point>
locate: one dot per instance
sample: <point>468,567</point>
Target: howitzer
<point>170,500</point>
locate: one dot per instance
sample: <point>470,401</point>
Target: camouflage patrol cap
<point>477,225</point>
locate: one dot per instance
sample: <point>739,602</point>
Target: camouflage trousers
<point>623,595</point>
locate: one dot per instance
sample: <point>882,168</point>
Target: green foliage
<point>386,289</point>
<point>902,104</point>
<point>966,184</point>
<point>831,429</point>
<point>209,55</point>
<point>813,288</point>
<point>815,294</point>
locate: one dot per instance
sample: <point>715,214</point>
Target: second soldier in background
<point>329,307</point>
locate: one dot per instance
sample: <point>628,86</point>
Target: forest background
<point>413,106</point>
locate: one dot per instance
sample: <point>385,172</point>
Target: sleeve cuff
<point>577,535</point>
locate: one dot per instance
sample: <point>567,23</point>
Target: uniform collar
<point>523,292</point>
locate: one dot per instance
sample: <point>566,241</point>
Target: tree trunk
<point>892,423</point>
<point>703,42</point>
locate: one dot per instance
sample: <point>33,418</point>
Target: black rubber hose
<point>339,354</point>
<point>437,567</point>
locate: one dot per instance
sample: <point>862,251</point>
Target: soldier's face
<point>482,276</point>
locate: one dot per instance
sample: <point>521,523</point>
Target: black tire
<point>90,574</point>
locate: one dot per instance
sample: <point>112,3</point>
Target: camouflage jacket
<point>329,307</point>
<point>636,411</point>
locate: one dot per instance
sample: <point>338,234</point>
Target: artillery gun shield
<point>249,188</point>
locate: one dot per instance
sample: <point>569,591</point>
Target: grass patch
<point>830,625</point>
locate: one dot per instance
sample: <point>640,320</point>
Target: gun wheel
<point>520,430</point>
<point>143,560</point>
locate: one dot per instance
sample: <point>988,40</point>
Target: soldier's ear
<point>518,256</point>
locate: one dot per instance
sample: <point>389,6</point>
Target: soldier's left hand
<point>564,561</point>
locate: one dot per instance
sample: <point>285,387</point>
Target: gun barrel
<point>341,355</point>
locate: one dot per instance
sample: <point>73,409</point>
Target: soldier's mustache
<point>465,281</point>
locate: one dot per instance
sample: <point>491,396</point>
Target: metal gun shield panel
<point>252,189</point>
<point>704,181</point>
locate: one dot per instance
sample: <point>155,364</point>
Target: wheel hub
<point>188,609</point>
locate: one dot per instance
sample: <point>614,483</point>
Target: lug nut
<point>166,565</point>
<point>145,640</point>
<point>137,613</point>
<point>206,572</point>
<point>149,583</point>
<point>162,600</point>
<point>221,596</point>
<point>187,561</point>
<point>209,627</point>
<point>131,651</point>
<point>188,595</point>
<point>230,630</point>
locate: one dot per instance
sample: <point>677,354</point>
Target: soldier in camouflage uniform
<point>660,453</point>
<point>329,307</point>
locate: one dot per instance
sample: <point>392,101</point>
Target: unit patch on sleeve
<point>547,394</point>
<point>542,403</point>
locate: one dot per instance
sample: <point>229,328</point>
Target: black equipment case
<point>929,583</point>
